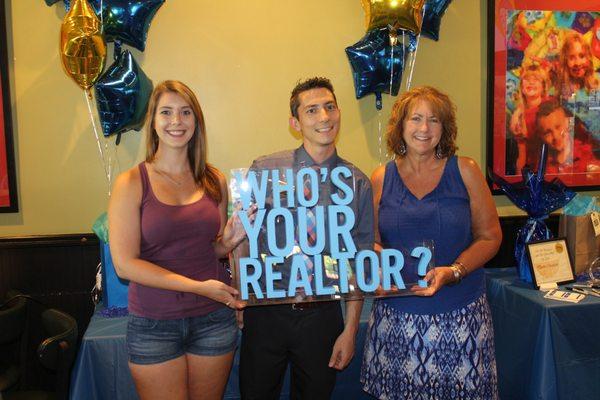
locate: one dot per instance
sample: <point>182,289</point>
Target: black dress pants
<point>275,335</point>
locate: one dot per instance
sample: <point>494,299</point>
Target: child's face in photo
<point>554,130</point>
<point>577,61</point>
<point>531,86</point>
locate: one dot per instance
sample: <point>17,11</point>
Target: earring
<point>402,148</point>
<point>438,152</point>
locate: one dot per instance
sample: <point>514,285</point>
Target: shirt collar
<point>304,159</point>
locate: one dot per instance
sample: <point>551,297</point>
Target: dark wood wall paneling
<point>60,271</point>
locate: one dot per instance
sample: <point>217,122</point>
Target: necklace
<point>167,176</point>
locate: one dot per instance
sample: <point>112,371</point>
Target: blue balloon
<point>122,95</point>
<point>126,21</point>
<point>94,3</point>
<point>410,41</point>
<point>375,63</point>
<point>434,11</point>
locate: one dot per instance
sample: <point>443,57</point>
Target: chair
<point>56,352</point>
<point>13,322</point>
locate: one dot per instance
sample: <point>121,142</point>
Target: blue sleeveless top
<point>442,216</point>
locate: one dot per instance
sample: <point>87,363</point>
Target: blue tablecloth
<point>545,349</point>
<point>101,371</point>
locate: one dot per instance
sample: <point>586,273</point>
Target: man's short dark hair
<point>548,107</point>
<point>302,86</point>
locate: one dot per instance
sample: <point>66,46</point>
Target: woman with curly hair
<point>437,344</point>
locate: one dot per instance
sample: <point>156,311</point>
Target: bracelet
<point>459,270</point>
<point>456,273</point>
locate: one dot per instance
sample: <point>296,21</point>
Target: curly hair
<point>442,107</point>
<point>205,175</point>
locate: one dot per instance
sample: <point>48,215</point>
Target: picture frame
<point>8,182</point>
<point>550,262</point>
<point>530,83</point>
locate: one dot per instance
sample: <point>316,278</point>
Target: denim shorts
<point>152,341</point>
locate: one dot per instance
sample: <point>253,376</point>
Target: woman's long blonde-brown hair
<point>205,175</point>
<point>564,80</point>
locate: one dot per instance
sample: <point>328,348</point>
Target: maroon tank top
<point>178,238</point>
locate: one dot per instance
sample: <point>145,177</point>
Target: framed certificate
<point>550,263</point>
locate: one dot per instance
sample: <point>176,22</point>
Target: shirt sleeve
<point>363,232</point>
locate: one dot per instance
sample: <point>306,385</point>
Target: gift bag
<point>584,245</point>
<point>576,225</point>
<point>114,289</point>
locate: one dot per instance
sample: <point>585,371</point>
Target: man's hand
<point>343,351</point>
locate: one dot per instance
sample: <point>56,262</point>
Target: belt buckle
<point>306,305</point>
<point>303,305</point>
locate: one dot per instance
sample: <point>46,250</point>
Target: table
<point>545,349</point>
<point>101,371</point>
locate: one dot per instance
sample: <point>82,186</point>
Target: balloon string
<point>88,97</point>
<point>412,59</point>
<point>101,16</point>
<point>392,69</point>
<point>413,55</point>
<point>379,131</point>
<point>108,164</point>
<point>403,53</point>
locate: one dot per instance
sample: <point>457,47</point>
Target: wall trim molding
<point>74,239</point>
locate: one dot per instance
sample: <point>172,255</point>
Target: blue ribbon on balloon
<point>538,198</point>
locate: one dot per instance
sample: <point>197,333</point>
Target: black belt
<point>309,305</point>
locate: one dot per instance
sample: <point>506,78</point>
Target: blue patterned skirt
<point>439,356</point>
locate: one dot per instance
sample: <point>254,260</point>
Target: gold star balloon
<point>400,14</point>
<point>82,47</point>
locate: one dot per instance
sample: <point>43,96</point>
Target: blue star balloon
<point>122,95</point>
<point>377,65</point>
<point>434,11</point>
<point>538,198</point>
<point>126,20</point>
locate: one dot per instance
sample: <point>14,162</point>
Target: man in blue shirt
<point>312,336</point>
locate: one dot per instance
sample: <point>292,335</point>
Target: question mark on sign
<point>424,255</point>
